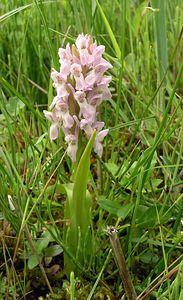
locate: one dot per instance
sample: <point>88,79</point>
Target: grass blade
<point>111,34</point>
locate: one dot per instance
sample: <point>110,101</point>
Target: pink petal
<point>105,80</point>
<point>71,139</point>
<point>76,70</point>
<point>65,54</point>
<point>49,115</point>
<point>98,50</point>
<point>101,135</point>
<point>82,41</point>
<point>80,96</point>
<point>102,67</point>
<point>57,77</point>
<point>86,127</point>
<point>53,131</point>
<point>98,125</point>
<point>91,78</point>
<point>98,148</point>
<point>65,68</point>
<point>85,57</point>
<point>71,151</point>
<point>62,90</point>
<point>103,62</point>
<point>80,83</point>
<point>68,121</point>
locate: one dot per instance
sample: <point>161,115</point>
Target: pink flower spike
<point>80,88</point>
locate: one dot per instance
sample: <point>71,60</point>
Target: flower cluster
<point>81,87</point>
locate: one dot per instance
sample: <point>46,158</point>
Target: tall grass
<point>136,186</point>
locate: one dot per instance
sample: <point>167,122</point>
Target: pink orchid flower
<point>81,87</point>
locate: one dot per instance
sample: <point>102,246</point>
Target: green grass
<point>136,186</point>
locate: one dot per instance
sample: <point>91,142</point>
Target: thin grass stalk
<point>161,46</point>
<point>165,256</point>
<point>139,181</point>
<point>48,36</point>
<point>99,276</point>
<point>74,5</point>
<point>164,278</point>
<point>72,286</point>
<point>120,262</point>
<point>158,137</point>
<point>177,45</point>
<point>120,80</point>
<point>14,11</point>
<point>110,32</point>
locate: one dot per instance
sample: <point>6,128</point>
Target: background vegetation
<point>136,187</point>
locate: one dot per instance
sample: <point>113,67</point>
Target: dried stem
<point>173,271</point>
<point>121,263</point>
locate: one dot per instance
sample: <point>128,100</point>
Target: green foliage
<point>115,208</point>
<point>43,250</point>
<point>78,236</point>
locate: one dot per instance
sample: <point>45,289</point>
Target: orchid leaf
<point>77,211</point>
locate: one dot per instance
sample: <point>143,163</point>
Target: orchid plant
<point>81,87</point>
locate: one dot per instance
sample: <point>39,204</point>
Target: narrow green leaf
<point>111,34</point>
<point>13,12</point>
<point>47,31</point>
<point>79,206</point>
<point>74,5</point>
<point>160,35</point>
